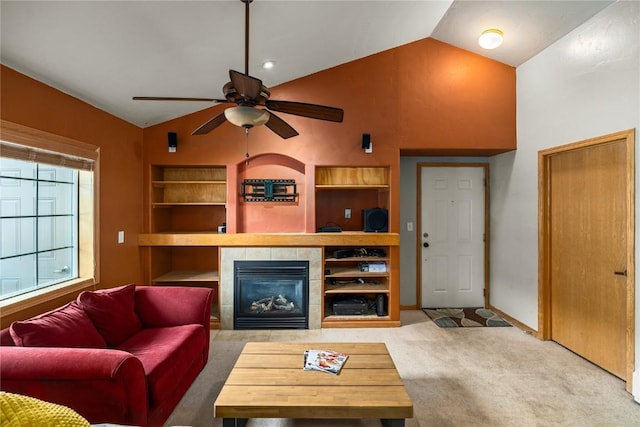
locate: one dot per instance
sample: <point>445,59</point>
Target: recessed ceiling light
<point>267,65</point>
<point>490,39</point>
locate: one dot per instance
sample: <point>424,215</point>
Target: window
<point>47,216</point>
<point>39,225</point>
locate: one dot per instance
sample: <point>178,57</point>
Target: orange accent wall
<point>30,103</point>
<point>423,98</point>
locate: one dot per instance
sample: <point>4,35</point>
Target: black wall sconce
<point>367,145</point>
<point>173,141</point>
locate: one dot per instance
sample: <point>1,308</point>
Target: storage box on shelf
<point>187,199</point>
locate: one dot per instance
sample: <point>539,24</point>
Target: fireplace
<point>272,294</point>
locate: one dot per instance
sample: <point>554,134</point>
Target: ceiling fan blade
<point>314,111</point>
<point>171,98</point>
<point>280,127</point>
<point>248,87</point>
<point>210,125</point>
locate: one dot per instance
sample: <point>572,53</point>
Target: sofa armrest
<point>163,306</point>
<point>102,385</point>
<point>5,338</point>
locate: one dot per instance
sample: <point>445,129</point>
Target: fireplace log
<point>282,303</point>
<point>272,303</point>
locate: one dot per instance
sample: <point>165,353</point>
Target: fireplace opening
<point>271,294</point>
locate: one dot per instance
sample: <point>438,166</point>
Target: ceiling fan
<point>248,93</point>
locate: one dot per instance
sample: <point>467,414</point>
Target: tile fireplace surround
<point>226,284</point>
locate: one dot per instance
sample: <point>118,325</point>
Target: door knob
<point>425,244</point>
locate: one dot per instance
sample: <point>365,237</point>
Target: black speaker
<point>366,141</point>
<point>375,220</point>
<point>173,141</point>
<point>380,305</point>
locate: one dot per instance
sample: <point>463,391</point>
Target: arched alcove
<point>272,216</point>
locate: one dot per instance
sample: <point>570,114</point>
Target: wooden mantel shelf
<point>347,238</point>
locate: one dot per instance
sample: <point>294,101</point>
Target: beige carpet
<point>456,377</point>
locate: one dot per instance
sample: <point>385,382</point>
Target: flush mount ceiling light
<point>267,65</point>
<point>246,117</point>
<point>490,39</point>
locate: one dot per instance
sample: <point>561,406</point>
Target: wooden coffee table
<point>268,381</point>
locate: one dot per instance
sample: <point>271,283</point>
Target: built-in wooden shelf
<point>358,259</point>
<point>189,197</point>
<point>344,278</point>
<point>161,184</point>
<point>341,269</point>
<point>188,186</point>
<point>188,203</point>
<point>356,288</point>
<point>345,238</point>
<point>357,188</point>
<point>352,187</point>
<point>359,321</point>
<point>170,204</point>
<point>188,276</point>
<point>352,177</point>
<point>351,272</point>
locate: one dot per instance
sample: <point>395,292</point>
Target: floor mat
<point>464,317</point>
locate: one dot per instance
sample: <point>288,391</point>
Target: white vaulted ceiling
<point>105,52</point>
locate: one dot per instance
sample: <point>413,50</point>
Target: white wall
<point>585,85</point>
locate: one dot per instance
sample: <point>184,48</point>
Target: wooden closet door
<point>588,223</point>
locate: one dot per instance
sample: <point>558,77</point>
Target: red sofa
<point>124,355</point>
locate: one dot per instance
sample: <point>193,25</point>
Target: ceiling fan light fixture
<point>246,117</point>
<point>248,93</point>
<point>490,39</point>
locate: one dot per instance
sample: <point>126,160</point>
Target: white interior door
<point>452,240</point>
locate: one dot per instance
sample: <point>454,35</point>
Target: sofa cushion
<point>68,326</point>
<point>168,356</point>
<point>112,312</point>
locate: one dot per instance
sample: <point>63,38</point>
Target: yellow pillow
<point>23,411</point>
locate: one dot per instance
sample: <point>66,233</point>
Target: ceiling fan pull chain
<point>246,155</point>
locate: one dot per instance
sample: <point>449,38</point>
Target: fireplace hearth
<point>271,294</point>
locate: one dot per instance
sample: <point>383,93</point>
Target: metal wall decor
<point>269,190</point>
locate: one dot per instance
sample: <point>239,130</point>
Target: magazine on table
<point>324,361</point>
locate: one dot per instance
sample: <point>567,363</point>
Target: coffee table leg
<point>392,422</point>
<point>234,422</point>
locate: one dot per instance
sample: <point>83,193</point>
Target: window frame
<point>88,221</point>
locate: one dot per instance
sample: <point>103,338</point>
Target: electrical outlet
<point>120,236</point>
<point>347,213</point>
<point>409,226</point>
